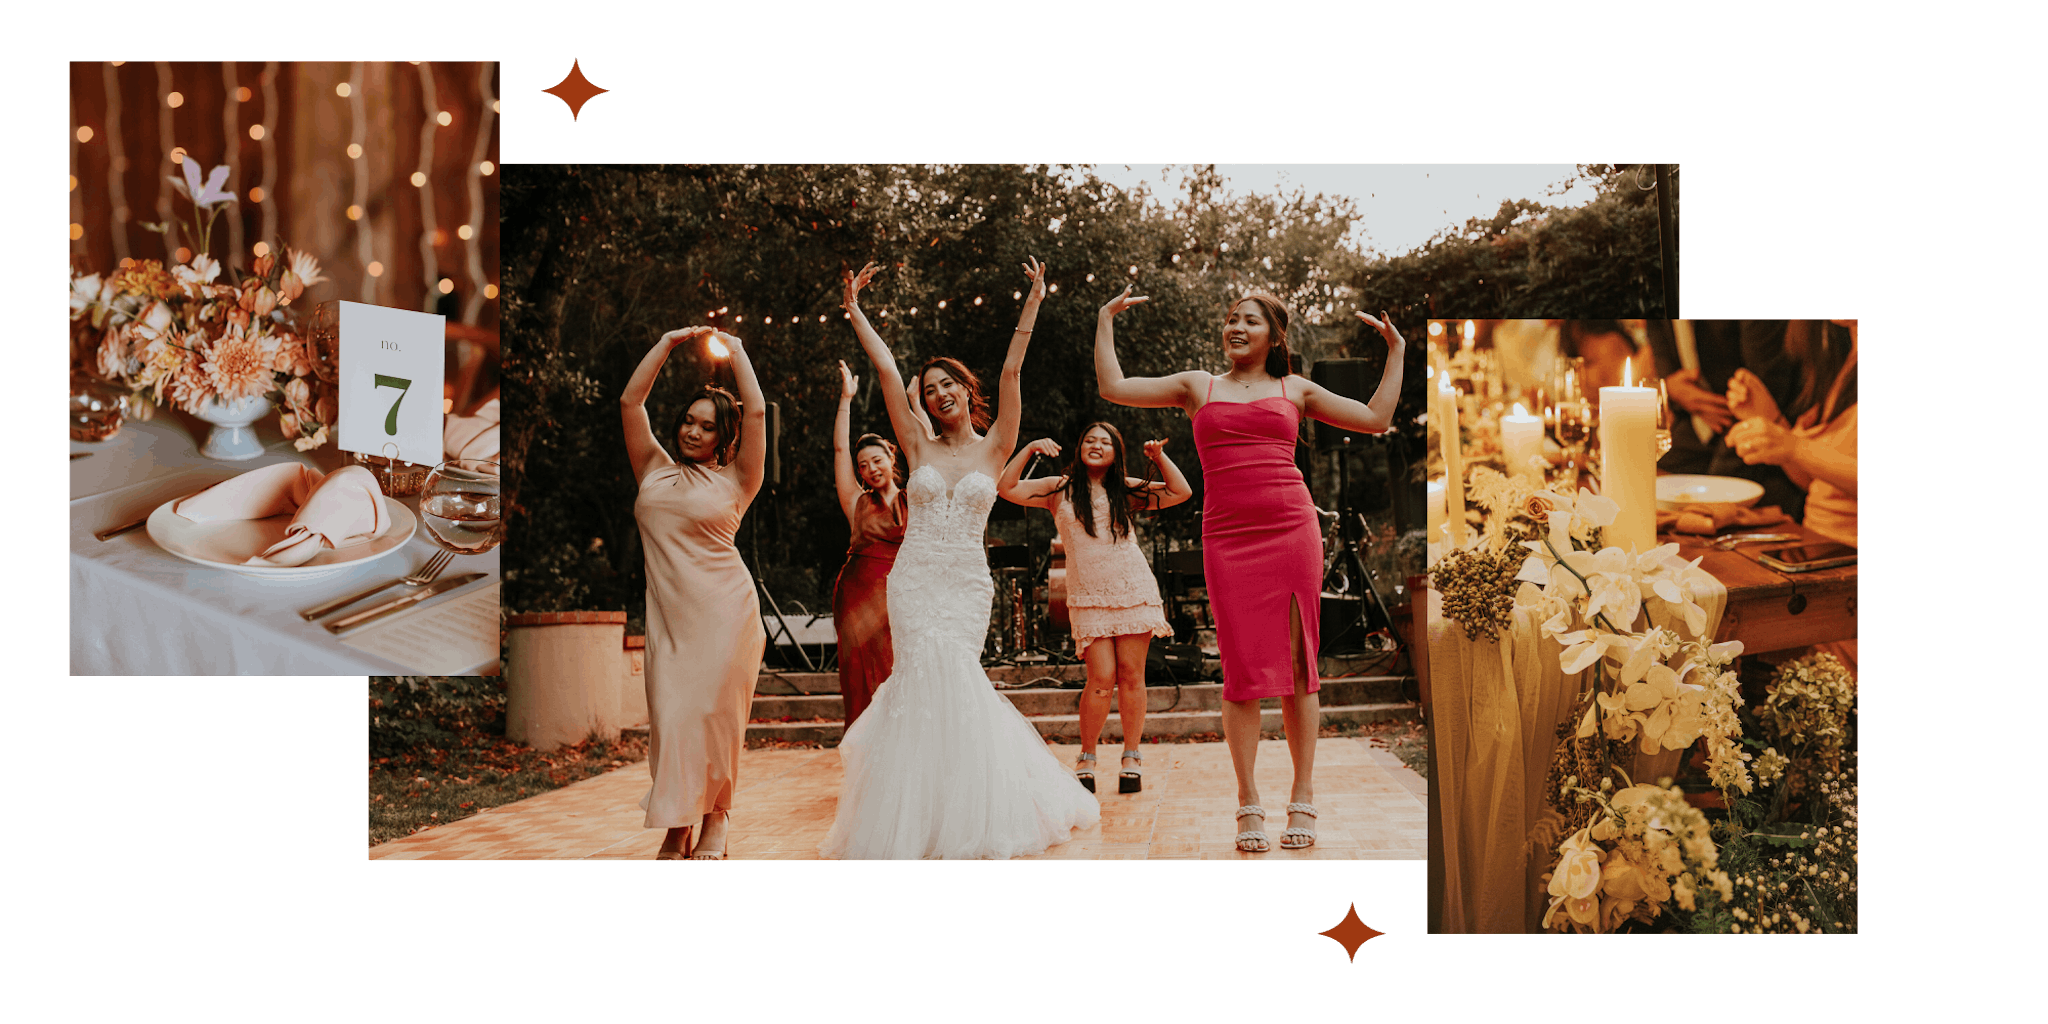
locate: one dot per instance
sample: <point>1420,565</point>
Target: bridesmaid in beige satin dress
<point>704,636</point>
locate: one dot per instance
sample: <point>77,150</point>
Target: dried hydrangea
<point>1478,589</point>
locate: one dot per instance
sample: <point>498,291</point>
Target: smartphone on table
<point>1808,557</point>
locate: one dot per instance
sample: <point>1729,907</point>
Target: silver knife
<point>115,531</point>
<point>387,607</point>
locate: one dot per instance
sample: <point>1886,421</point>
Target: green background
<point>193,846</point>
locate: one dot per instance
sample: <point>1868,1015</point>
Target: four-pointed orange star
<point>575,90</point>
<point>1352,933</point>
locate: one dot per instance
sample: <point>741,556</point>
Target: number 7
<point>403,386</point>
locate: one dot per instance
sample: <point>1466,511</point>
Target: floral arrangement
<point>182,335</point>
<point>1808,709</point>
<point>1646,848</point>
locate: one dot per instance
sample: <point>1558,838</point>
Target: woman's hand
<point>1043,446</point>
<point>1153,449</point>
<point>1685,390</point>
<point>1123,301</point>
<point>1762,442</point>
<point>1749,399</point>
<point>849,385</point>
<point>1384,325</point>
<point>674,338</point>
<point>1036,272</point>
<point>853,283</point>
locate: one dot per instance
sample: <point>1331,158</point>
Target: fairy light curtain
<point>386,172</point>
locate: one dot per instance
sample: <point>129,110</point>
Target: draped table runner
<point>1495,709</point>
<point>138,610</point>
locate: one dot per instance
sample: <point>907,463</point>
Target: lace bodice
<point>1102,571</point>
<point>941,588</point>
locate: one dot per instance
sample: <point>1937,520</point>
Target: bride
<point>940,765</point>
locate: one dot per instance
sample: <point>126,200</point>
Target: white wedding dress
<point>941,765</point>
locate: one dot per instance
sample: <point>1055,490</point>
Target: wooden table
<point>1770,610</point>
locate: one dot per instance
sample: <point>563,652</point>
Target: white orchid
<point>204,196</point>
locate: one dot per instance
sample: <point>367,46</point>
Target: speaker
<point>1355,379</point>
<point>1174,663</point>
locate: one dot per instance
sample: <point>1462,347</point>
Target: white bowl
<point>226,543</point>
<point>1679,490</point>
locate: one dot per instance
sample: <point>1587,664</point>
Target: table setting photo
<point>1642,626</point>
<point>284,463</point>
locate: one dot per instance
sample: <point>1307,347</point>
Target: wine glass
<point>459,505</point>
<point>1574,428</point>
<point>1663,433</point>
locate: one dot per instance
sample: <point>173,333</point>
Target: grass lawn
<point>428,787</point>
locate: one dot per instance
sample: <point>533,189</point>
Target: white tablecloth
<point>137,610</point>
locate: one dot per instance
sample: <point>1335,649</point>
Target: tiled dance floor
<point>1371,806</point>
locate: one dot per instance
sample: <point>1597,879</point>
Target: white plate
<point>227,543</point>
<point>1679,490</point>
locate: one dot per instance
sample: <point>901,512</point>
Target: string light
<point>230,116</point>
<point>85,133</point>
<point>165,144</point>
<point>1091,279</point>
<point>174,100</point>
<point>268,79</point>
<point>490,291</point>
<point>177,155</point>
<point>977,300</point>
<point>255,196</point>
<point>358,127</point>
<point>431,270</point>
<point>242,94</point>
<point>447,285</point>
<point>117,193</point>
<point>261,249</point>
<point>355,152</point>
<point>77,231</point>
<point>256,132</point>
<point>465,232</point>
<point>445,118</point>
<point>343,89</point>
<point>473,249</point>
<point>942,303</point>
<point>487,167</point>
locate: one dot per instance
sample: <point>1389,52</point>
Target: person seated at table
<point>1606,346</point>
<point>1697,382</point>
<point>1814,440</point>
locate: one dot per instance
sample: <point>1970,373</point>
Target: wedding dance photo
<point>1642,626</point>
<point>853,499</point>
<point>267,259</point>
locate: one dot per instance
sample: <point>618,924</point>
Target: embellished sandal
<point>723,842</point>
<point>1086,775</point>
<point>1131,780</point>
<point>682,854</point>
<point>1296,838</point>
<point>1245,839</point>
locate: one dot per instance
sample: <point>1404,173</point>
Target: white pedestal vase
<point>233,438</point>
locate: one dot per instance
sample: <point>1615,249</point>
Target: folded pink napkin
<point>472,437</point>
<point>342,508</point>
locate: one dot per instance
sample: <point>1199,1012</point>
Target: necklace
<point>1229,377</point>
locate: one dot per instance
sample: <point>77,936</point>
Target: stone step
<point>1068,727</point>
<point>1052,701</point>
<point>772,684</point>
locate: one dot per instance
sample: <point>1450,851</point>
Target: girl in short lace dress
<point>1111,595</point>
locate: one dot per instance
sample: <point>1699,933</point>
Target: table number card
<point>391,364</point>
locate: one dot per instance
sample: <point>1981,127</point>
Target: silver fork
<point>422,576</point>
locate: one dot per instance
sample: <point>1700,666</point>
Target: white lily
<point>205,195</point>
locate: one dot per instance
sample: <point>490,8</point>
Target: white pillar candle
<point>1521,439</point>
<point>1628,463</point>
<point>1436,511</point>
<point>1454,460</point>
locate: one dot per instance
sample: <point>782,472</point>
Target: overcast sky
<point>1402,205</point>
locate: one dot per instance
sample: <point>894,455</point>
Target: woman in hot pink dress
<point>1262,553</point>
<point>1111,595</point>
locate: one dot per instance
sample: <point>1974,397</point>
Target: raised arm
<point>752,462</point>
<point>642,448</point>
<point>1034,493</point>
<point>843,478</point>
<point>910,433</point>
<point>1141,392</point>
<point>1169,490</point>
<point>1373,416</point>
<point>1009,387</point>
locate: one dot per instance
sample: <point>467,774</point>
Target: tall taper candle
<point>1521,439</point>
<point>1628,463</point>
<point>1436,512</point>
<point>1454,459</point>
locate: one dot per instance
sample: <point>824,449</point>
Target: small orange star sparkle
<point>1352,933</point>
<point>575,90</point>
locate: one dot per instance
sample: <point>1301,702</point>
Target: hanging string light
<point>430,267</point>
<point>231,109</point>
<point>269,150</point>
<point>167,142</point>
<point>358,126</point>
<point>477,164</point>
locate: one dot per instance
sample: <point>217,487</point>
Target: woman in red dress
<point>1262,553</point>
<point>870,494</point>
